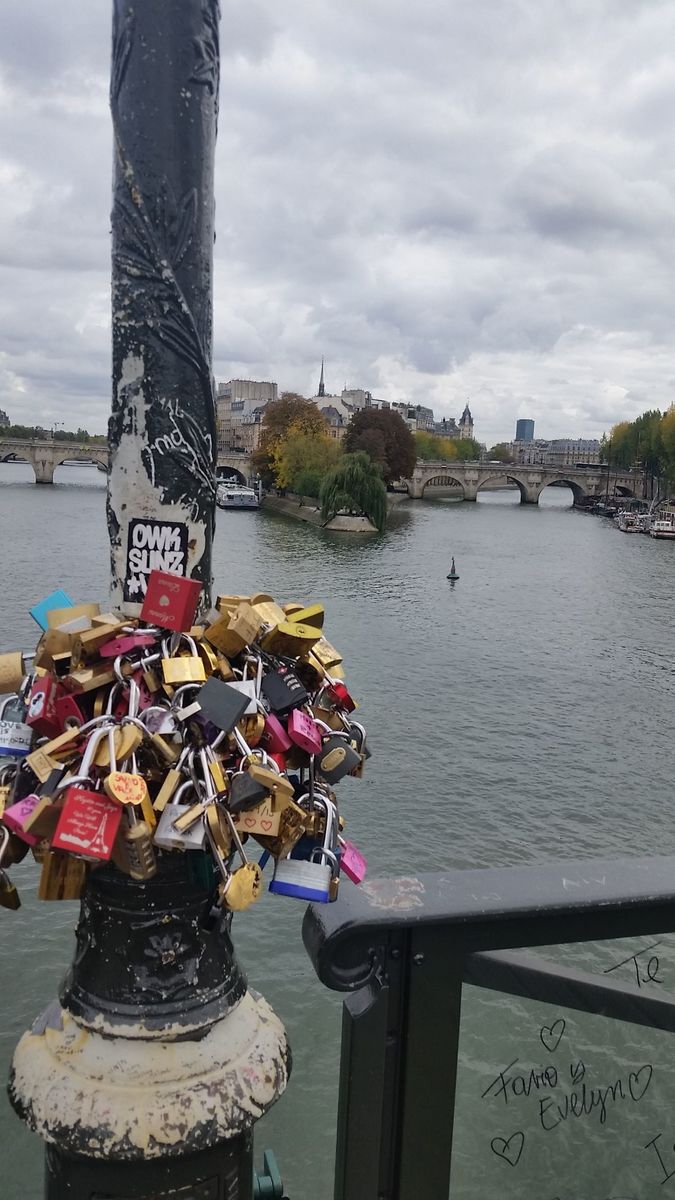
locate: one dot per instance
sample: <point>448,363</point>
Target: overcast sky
<point>447,199</point>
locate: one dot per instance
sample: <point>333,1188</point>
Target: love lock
<point>308,880</point>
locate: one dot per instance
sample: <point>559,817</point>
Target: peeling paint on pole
<point>98,1095</point>
<point>162,432</point>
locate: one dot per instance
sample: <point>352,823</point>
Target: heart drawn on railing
<point>509,1149</point>
<point>639,1081</point>
<point>551,1035</point>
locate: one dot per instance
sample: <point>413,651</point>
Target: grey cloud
<point>444,200</point>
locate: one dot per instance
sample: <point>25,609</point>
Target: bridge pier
<point>44,469</point>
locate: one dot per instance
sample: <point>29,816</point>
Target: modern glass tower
<point>524,431</point>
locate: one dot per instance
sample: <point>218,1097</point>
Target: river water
<point>523,715</point>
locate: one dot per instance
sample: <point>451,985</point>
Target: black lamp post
<point>147,1074</point>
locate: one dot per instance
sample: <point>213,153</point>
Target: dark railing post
<point>146,1076</point>
<point>164,104</point>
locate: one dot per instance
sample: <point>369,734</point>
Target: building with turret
<point>465,423</point>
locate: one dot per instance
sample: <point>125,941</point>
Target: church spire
<point>322,387</point>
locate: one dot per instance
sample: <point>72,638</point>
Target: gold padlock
<point>171,781</point>
<point>64,616</point>
<point>62,877</point>
<point>290,638</point>
<point>11,671</point>
<point>292,825</point>
<point>234,631</point>
<point>269,611</point>
<point>52,642</point>
<point>314,614</point>
<point>326,653</point>
<point>87,679</point>
<point>85,646</point>
<point>229,603</point>
<point>184,669</point>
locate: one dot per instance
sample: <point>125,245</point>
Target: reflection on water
<point>520,716</point>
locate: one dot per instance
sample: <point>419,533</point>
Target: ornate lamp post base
<point>147,1076</point>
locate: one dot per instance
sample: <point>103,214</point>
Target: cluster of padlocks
<point>129,739</point>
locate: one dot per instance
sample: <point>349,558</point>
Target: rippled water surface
<point>522,715</point>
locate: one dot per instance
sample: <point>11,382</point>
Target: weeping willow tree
<point>355,485</point>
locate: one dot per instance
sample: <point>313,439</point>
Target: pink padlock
<point>127,644</point>
<point>15,817</point>
<point>274,737</point>
<point>304,731</point>
<point>352,862</point>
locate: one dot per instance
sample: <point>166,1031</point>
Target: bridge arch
<point>232,475</point>
<point>578,492</point>
<point>442,479</point>
<point>505,479</point>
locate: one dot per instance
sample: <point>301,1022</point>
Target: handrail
<point>405,946</point>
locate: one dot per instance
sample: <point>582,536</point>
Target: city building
<point>416,416</point>
<point>465,423</point>
<point>524,430</point>
<point>4,419</point>
<point>562,452</point>
<point>338,410</point>
<point>237,411</point>
<point>447,428</point>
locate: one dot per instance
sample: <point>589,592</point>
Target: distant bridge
<point>46,454</point>
<point>230,462</point>
<point>530,480</point>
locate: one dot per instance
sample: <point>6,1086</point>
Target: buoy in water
<point>453,573</point>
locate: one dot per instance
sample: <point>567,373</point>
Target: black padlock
<point>283,691</point>
<point>221,704</point>
<point>337,758</point>
<point>245,792</point>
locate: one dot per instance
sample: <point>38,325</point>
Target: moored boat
<point>230,494</point>
<point>663,522</point>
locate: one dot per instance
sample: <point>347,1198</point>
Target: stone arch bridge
<point>46,454</point>
<point>530,480</point>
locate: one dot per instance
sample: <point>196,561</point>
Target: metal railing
<point>404,947</point>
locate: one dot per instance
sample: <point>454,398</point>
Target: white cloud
<point>445,200</point>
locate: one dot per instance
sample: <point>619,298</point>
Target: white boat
<point>663,522</point>
<point>631,521</point>
<point>230,494</point>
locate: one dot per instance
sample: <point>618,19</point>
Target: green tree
<point>290,410</point>
<point>667,432</point>
<point>501,453</point>
<point>400,455</point>
<point>356,485</point>
<point>313,454</point>
<point>468,450</point>
<point>430,447</point>
<point>623,445</point>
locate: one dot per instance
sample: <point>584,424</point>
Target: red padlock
<point>171,601</point>
<point>339,696</point>
<point>41,715</point>
<point>279,759</point>
<point>68,713</point>
<point>88,824</point>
